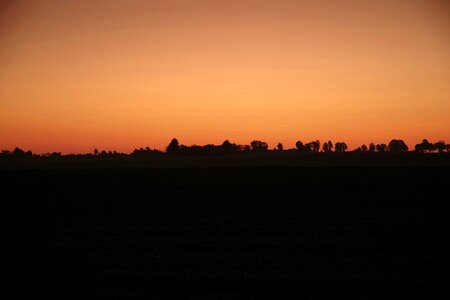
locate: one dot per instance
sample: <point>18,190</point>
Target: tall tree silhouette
<point>173,147</point>
<point>299,146</point>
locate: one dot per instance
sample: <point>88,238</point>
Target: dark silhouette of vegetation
<point>426,146</point>
<point>382,147</point>
<point>397,146</point>
<point>145,152</point>
<point>340,147</point>
<point>313,146</point>
<point>363,148</point>
<point>229,148</point>
<point>17,152</point>
<point>255,146</point>
<point>327,147</point>
<point>258,146</point>
<point>299,146</point>
<point>440,146</point>
<point>173,147</point>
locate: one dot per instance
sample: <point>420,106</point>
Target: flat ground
<point>223,233</point>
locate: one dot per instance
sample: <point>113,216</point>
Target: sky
<point>118,75</point>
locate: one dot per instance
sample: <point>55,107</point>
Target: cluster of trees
<point>175,148</point>
<point>314,147</point>
<point>393,146</point>
<point>426,146</point>
<point>17,152</point>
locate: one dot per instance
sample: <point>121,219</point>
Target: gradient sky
<point>117,75</point>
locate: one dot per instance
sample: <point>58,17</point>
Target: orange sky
<point>117,75</point>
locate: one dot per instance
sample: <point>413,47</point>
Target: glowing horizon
<point>120,75</point>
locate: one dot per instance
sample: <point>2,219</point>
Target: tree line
<point>256,146</point>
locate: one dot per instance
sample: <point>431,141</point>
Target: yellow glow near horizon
<point>117,75</point>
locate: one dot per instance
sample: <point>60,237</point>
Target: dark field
<point>215,233</point>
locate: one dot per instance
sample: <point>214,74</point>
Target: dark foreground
<point>224,233</point>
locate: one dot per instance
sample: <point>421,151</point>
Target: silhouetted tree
<point>440,146</point>
<point>372,147</point>
<point>258,145</point>
<point>55,154</point>
<point>141,152</point>
<point>19,152</point>
<point>280,147</point>
<point>330,146</point>
<point>397,146</point>
<point>364,148</point>
<point>307,147</point>
<point>299,146</point>
<point>425,146</point>
<point>382,147</point>
<point>313,146</point>
<point>173,147</point>
<point>96,152</point>
<point>325,147</point>
<point>340,147</point>
<point>226,148</point>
